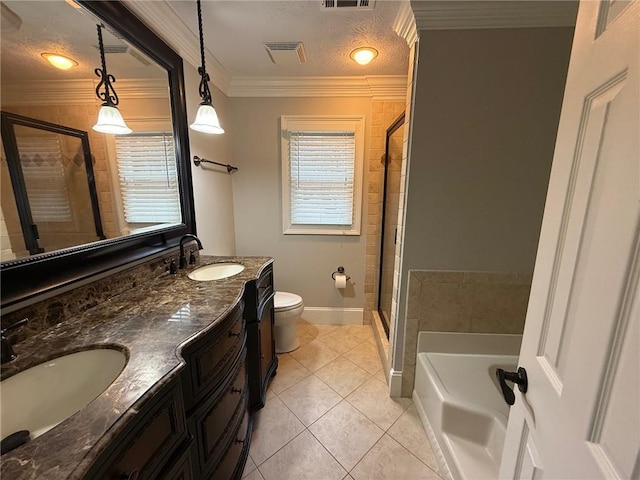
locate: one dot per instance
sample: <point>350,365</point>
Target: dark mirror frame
<point>41,276</point>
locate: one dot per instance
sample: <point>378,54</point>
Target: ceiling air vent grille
<point>286,53</point>
<point>352,4</point>
<point>113,48</point>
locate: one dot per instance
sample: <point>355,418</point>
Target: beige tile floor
<point>328,415</point>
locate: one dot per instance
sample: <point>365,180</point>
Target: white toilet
<point>288,307</point>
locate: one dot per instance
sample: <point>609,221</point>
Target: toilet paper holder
<point>340,271</point>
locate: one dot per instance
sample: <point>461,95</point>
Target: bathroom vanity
<point>199,357</point>
<point>199,354</point>
<point>259,313</point>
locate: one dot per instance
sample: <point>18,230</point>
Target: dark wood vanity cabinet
<point>261,350</point>
<point>145,448</point>
<point>211,359</point>
<point>199,426</point>
<point>216,397</point>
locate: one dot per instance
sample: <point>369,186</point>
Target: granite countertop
<point>151,324</point>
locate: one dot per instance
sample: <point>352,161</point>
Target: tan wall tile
<point>411,341</point>
<point>413,303</point>
<point>446,307</point>
<point>499,308</point>
<point>433,276</point>
<point>505,278</point>
<point>408,380</point>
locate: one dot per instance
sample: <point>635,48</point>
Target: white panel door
<point>580,417</point>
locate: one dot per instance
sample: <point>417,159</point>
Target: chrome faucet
<point>6,350</point>
<point>183,257</point>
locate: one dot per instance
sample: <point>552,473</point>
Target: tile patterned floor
<point>328,416</point>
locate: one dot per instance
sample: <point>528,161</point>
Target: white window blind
<point>322,166</point>
<point>44,177</point>
<point>322,163</point>
<point>148,178</point>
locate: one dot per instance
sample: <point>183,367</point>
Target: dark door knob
<point>519,378</point>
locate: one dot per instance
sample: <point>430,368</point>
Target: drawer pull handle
<point>239,441</point>
<point>236,390</point>
<point>231,334</point>
<point>135,473</point>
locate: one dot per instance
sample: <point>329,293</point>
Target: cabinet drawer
<point>146,446</point>
<point>264,285</point>
<point>213,356</point>
<point>215,419</point>
<point>232,464</point>
<point>179,468</point>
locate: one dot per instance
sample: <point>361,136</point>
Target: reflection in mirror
<point>54,193</point>
<point>134,185</point>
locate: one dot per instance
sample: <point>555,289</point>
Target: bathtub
<point>459,400</point>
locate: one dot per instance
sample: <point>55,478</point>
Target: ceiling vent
<point>350,4</point>
<point>113,48</point>
<point>286,53</point>
<point>125,49</point>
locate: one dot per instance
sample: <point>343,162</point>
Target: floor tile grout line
<point>274,453</point>
<point>318,419</point>
<point>342,398</point>
<point>403,446</point>
<point>314,373</point>
<point>324,446</point>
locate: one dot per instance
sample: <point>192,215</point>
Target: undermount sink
<point>216,271</point>
<point>39,398</point>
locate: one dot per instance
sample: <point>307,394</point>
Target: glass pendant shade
<point>207,120</point>
<point>110,121</point>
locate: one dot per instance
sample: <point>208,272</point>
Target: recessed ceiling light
<point>364,55</point>
<point>60,61</point>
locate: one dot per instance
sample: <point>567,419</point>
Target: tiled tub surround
<point>453,301</point>
<point>151,320</point>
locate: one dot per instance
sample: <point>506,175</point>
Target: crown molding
<point>381,87</point>
<point>160,17</point>
<point>79,92</point>
<point>451,15</point>
<point>405,24</point>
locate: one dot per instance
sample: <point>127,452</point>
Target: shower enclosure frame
<point>396,125</point>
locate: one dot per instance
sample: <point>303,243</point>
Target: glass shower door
<point>390,205</point>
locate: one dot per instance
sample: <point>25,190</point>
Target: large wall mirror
<point>76,202</point>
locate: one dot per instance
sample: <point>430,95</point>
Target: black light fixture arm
<point>109,96</point>
<point>205,93</point>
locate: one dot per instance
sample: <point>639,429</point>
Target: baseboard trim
<point>395,383</point>
<point>333,316</point>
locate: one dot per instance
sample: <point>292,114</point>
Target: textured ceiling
<point>235,33</point>
<point>54,26</point>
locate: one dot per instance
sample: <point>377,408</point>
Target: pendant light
<point>109,118</point>
<point>206,117</point>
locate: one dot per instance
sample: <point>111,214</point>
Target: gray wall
<point>303,263</point>
<point>485,116</point>
<point>212,186</point>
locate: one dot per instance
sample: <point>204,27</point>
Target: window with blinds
<point>44,177</point>
<point>322,170</point>
<point>148,178</point>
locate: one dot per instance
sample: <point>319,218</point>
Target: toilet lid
<point>286,300</point>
